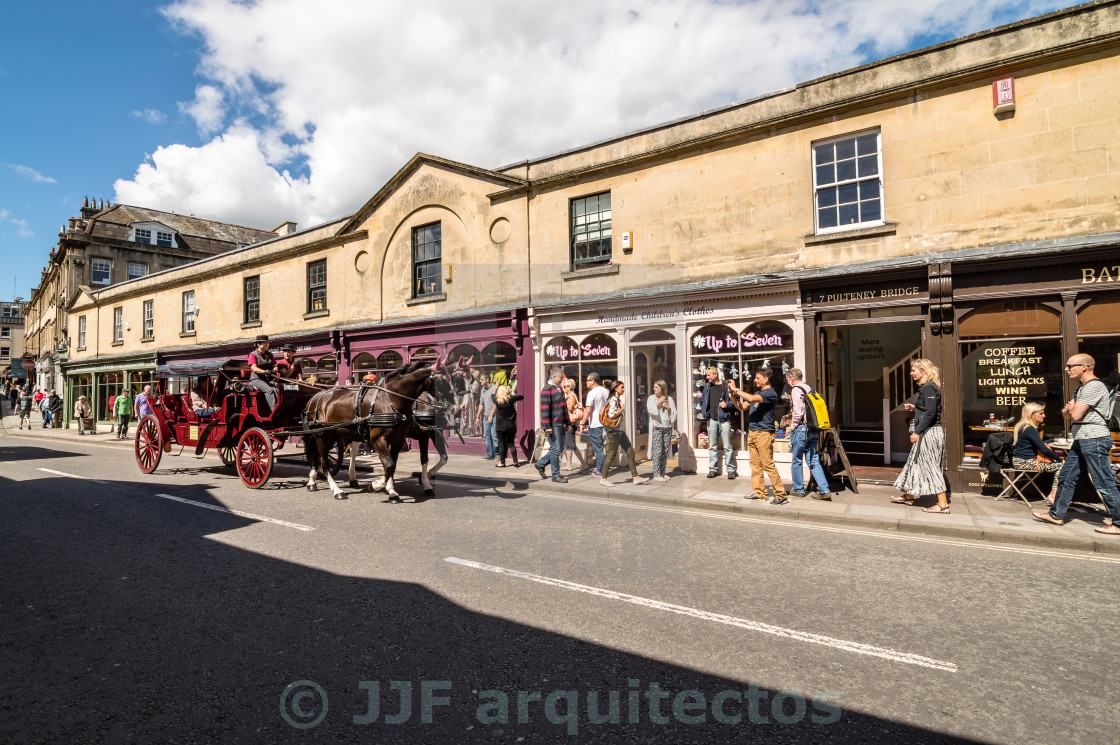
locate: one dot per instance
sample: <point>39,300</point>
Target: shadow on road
<point>10,452</point>
<point>128,619</point>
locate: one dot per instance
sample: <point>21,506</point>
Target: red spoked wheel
<point>254,458</point>
<point>149,444</point>
<point>228,454</point>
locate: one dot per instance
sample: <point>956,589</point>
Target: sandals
<point>903,500</point>
<point>937,510</point>
<point>1112,529</point>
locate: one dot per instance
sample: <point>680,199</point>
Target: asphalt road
<point>130,615</point>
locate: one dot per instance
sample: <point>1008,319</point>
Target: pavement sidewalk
<point>973,516</point>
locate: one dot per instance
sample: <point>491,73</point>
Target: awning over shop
<point>119,366</point>
<point>190,368</point>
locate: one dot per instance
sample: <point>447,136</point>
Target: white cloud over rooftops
<point>343,92</point>
<point>30,173</point>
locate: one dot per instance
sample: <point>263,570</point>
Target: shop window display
<point>327,370</point>
<point>738,355</point>
<point>597,353</point>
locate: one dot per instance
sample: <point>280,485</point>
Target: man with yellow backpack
<point>809,418</point>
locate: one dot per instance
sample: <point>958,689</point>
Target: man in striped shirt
<point>554,421</point>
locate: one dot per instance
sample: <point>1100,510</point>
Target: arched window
<point>1004,318</point>
<point>766,336</point>
<point>389,360</point>
<point>463,351</point>
<point>308,365</point>
<point>425,353</point>
<point>598,347</point>
<point>499,353</point>
<point>651,335</point>
<point>560,350</point>
<point>364,361</point>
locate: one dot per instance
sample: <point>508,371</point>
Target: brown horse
<point>388,409</point>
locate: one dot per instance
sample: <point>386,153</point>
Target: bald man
<point>1092,444</point>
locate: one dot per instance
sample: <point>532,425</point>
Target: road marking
<point>239,513</point>
<point>214,507</point>
<point>72,475</point>
<point>694,512</point>
<point>803,636</point>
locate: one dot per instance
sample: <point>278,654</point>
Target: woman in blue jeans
<point>803,443</point>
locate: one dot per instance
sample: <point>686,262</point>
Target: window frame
<point>427,263</point>
<point>188,315</point>
<point>118,324</point>
<point>247,312</point>
<point>139,264</point>
<point>149,323</point>
<point>6,333</point>
<point>145,233</point>
<point>603,259</point>
<point>315,287</point>
<point>5,352</point>
<point>81,332</point>
<point>836,184</point>
<point>93,269</point>
<point>159,236</point>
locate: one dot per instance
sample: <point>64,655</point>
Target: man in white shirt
<point>596,400</point>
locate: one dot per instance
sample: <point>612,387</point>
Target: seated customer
<point>198,400</point>
<point>1027,446</point>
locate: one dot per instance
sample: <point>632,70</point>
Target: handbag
<point>607,421</point>
<point>675,437</point>
<point>1042,458</point>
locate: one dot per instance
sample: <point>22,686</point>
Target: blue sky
<point>261,112</point>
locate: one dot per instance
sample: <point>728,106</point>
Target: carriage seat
<point>174,406</point>
<point>189,414</point>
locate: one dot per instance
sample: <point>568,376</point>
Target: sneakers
<point>732,476</point>
<point>713,474</point>
<point>595,472</point>
<point>754,496</point>
<point>540,471</point>
<point>798,494</point>
<point>560,479</point>
<point>776,501</point>
<point>604,482</point>
<point>824,496</point>
<point>641,479</point>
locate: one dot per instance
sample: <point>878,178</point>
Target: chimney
<point>285,228</point>
<point>88,210</point>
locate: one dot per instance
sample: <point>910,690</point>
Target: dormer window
<point>154,234</point>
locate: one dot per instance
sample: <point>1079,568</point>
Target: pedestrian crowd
<point>599,418</point>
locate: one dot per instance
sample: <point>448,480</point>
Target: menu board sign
<point>1010,375</point>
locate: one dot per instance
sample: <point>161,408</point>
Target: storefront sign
<point>715,340</point>
<point>598,347</point>
<point>1093,275</point>
<point>768,335</point>
<point>561,349</point>
<point>869,295</point>
<point>658,314</point>
<point>1010,375</point>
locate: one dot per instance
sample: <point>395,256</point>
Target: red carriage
<point>240,426</point>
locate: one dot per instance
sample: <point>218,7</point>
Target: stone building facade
<point>11,340</point>
<point>844,226</point>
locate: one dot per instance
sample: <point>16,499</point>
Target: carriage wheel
<point>336,457</point>
<point>254,458</point>
<point>149,444</point>
<point>228,454</point>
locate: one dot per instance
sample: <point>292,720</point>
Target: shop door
<point>865,378</point>
<point>651,362</point>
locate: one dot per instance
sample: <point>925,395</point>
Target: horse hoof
<point>429,492</point>
<point>341,496</point>
<point>354,484</point>
<point>312,487</point>
<point>394,499</point>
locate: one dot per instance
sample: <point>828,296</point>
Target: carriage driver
<point>287,367</point>
<point>263,365</point>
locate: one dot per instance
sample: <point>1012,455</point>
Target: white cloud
<point>4,214</point>
<point>207,109</point>
<point>22,229</point>
<point>30,173</point>
<point>151,116</point>
<point>345,91</point>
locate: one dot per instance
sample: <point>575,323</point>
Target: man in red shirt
<point>286,366</point>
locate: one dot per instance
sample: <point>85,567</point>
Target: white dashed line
<point>827,641</point>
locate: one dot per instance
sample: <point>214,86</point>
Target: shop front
<point>864,333</point>
<point>102,380</point>
<point>674,340</point>
<point>491,344</point>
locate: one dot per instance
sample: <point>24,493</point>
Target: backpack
<point>816,410</point>
<point>1113,417</point>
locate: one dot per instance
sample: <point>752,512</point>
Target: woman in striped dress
<point>924,471</point>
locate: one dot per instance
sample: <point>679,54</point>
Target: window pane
<point>845,149</point>
<point>826,218</point>
<point>825,175</point>
<point>605,201</point>
<point>824,153</point>
<point>845,170</point>
<point>849,214</point>
<point>849,193</point>
<point>579,207</point>
<point>868,143</point>
<point>870,211</point>
<point>869,165</point>
<point>869,189</point>
<point>826,197</point>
